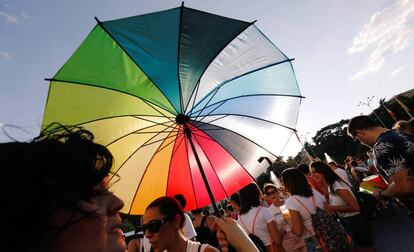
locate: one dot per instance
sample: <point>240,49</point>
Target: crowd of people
<point>57,185</point>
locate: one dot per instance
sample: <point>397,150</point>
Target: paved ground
<point>394,232</point>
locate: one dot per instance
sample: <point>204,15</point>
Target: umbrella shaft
<point>200,167</point>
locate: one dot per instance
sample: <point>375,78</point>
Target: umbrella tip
<point>182,4</point>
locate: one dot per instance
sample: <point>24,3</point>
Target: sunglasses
<point>153,226</point>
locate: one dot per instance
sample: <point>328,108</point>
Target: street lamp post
<point>369,99</point>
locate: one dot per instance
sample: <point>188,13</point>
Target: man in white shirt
<point>188,228</point>
<point>341,172</point>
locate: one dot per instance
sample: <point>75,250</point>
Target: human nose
<point>116,204</point>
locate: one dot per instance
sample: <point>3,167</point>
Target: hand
<point>230,233</point>
<point>376,194</point>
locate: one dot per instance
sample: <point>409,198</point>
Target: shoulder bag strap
<point>241,220</point>
<point>199,247</point>
<point>254,220</point>
<point>300,202</point>
<point>303,224</point>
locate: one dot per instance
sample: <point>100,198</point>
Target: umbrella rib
<point>234,132</point>
<point>136,63</point>
<point>135,132</point>
<point>237,77</point>
<point>178,144</point>
<point>151,121</point>
<point>143,175</point>
<point>243,96</point>
<point>218,178</point>
<point>199,124</point>
<point>195,96</point>
<point>177,135</point>
<point>260,119</point>
<point>149,104</point>
<point>112,117</point>
<point>107,88</point>
<point>178,58</point>
<point>169,166</point>
<point>209,102</point>
<point>157,141</point>
<point>209,113</point>
<point>120,167</point>
<point>233,158</point>
<point>192,180</point>
<point>218,53</point>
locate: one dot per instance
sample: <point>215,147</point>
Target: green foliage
<point>334,141</point>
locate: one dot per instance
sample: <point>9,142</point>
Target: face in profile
<point>318,176</point>
<point>236,207</point>
<point>159,230</point>
<point>99,231</point>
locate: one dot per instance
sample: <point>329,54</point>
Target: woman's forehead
<point>151,213</point>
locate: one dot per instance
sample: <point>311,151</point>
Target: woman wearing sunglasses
<point>163,221</point>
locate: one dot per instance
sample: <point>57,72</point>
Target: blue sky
<point>344,50</point>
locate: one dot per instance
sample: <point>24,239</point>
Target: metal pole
<point>303,146</point>
<point>373,111</point>
<point>187,132</point>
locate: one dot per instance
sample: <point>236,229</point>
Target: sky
<point>344,50</point>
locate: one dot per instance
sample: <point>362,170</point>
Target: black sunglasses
<point>153,226</point>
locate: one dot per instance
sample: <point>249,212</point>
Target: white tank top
<point>193,246</point>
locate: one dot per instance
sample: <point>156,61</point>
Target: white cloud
<point>9,18</point>
<point>5,55</point>
<point>387,32</point>
<point>396,71</point>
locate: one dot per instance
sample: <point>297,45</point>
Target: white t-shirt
<point>336,200</point>
<point>343,175</point>
<point>188,228</point>
<point>280,221</point>
<point>260,227</point>
<point>292,204</point>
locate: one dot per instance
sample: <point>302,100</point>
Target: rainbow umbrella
<point>186,101</point>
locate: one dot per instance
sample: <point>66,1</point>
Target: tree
<point>333,139</point>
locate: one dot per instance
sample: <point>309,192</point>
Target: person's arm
<point>351,204</point>
<point>274,233</point>
<point>230,233</point>
<point>402,185</point>
<point>134,245</point>
<point>297,224</point>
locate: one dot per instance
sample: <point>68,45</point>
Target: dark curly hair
<point>55,171</point>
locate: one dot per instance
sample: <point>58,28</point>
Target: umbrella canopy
<point>185,100</point>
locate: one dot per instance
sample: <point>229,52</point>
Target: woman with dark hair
<point>203,225</point>
<point>301,195</point>
<point>163,222</point>
<point>343,202</point>
<point>258,220</point>
<point>57,185</point>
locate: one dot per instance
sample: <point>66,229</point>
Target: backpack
<point>255,239</point>
<point>328,231</point>
<point>369,205</point>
